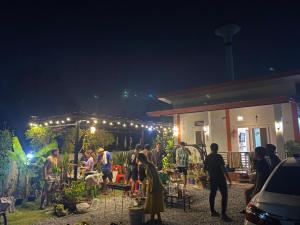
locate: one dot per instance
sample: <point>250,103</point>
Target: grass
<point>28,214</point>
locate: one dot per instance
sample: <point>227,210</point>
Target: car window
<point>285,181</point>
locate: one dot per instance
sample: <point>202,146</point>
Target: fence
<point>239,160</point>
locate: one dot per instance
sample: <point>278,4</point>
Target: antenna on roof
<point>227,32</point>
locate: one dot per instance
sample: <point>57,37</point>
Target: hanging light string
<point>113,123</point>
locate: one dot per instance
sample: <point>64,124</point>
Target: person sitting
<point>154,204</point>
<point>88,166</point>
<point>272,158</point>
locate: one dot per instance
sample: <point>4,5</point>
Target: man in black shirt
<point>158,154</point>
<point>215,166</point>
<point>272,158</point>
<point>132,167</point>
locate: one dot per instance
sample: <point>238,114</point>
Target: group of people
<point>265,160</point>
<point>143,165</point>
<point>90,161</point>
<point>100,161</point>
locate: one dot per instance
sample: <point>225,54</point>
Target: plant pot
<point>69,204</point>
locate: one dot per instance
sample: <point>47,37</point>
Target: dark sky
<point>55,56</point>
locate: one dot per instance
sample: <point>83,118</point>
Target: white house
<point>238,115</point>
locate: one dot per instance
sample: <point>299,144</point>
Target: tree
<point>19,156</point>
<point>5,147</point>
<point>99,138</point>
<point>39,137</point>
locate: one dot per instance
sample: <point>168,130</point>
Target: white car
<point>278,203</point>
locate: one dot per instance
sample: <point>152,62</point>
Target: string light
<point>158,127</point>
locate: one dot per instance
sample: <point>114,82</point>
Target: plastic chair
<point>120,175</point>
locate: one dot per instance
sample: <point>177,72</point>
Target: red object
<point>120,175</point>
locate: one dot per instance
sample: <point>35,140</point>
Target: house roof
<point>221,106</point>
<point>234,94</point>
<point>233,84</point>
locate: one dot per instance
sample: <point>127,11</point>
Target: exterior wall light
<point>240,118</point>
<point>278,126</point>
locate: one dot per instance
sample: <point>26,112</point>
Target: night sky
<point>60,57</point>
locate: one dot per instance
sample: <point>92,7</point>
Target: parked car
<point>278,203</point>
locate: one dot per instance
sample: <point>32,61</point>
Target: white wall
<point>218,129</point>
<point>188,128</point>
<point>253,117</point>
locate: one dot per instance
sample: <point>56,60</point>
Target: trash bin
<point>136,215</point>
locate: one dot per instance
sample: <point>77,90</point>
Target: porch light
<point>206,130</point>
<point>240,118</point>
<point>175,131</point>
<point>278,126</point>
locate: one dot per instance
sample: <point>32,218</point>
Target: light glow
<point>93,130</point>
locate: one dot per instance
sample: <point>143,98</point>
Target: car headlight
<point>260,217</point>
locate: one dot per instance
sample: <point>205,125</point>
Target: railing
<point>238,160</point>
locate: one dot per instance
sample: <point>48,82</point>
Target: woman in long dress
<point>154,204</point>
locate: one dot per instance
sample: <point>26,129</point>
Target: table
<point>175,200</point>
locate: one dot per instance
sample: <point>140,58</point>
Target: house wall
<point>253,117</point>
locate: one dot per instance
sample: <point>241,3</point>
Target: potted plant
<point>73,194</point>
<point>203,178</point>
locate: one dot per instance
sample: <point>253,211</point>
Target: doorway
<point>200,138</point>
<point>243,137</point>
<point>259,137</point>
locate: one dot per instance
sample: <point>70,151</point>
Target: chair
<point>120,175</point>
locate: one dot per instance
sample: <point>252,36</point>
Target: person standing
<point>50,176</point>
<point>105,161</point>
<point>272,158</point>
<point>215,165</point>
<point>154,204</point>
<point>147,152</point>
<point>262,169</point>
<point>182,160</point>
<point>132,167</point>
<point>157,156</point>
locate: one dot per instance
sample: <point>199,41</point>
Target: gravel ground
<point>198,214</point>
